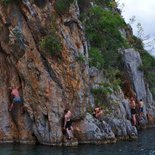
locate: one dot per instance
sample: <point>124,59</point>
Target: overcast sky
<point>144,11</point>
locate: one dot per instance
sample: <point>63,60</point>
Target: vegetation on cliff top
<point>149,69</point>
<point>102,28</point>
<point>62,6</point>
<point>103,24</point>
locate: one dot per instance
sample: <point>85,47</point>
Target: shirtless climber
<point>16,97</point>
<point>98,112</point>
<point>68,124</point>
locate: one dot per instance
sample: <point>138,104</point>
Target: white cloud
<point>144,12</point>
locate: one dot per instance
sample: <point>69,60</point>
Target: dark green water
<point>145,145</point>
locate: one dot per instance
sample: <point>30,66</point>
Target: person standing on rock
<point>16,97</point>
<point>141,107</point>
<point>133,110</point>
<point>68,124</point>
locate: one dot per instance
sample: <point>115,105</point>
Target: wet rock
<point>70,142</point>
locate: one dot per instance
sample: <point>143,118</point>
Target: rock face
<point>50,84</point>
<point>106,130</point>
<point>132,63</point>
<point>91,130</point>
<point>115,125</point>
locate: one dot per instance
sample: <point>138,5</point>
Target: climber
<point>133,110</point>
<point>16,97</point>
<point>68,124</point>
<point>98,112</point>
<point>141,105</point>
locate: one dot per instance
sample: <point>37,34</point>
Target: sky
<point>144,13</point>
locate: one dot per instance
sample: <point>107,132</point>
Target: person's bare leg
<point>134,119</point>
<point>69,133</point>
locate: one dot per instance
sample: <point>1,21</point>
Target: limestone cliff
<point>52,83</point>
<point>48,86</point>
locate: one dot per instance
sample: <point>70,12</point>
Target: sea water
<point>144,145</point>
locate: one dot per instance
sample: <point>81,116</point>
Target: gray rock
<point>91,130</point>
<point>132,62</point>
<point>121,127</point>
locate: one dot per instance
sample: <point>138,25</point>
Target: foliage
<point>96,58</point>
<point>148,61</point>
<point>6,2</point>
<point>61,6</point>
<point>106,3</point>
<point>136,43</point>
<point>149,69</point>
<point>113,73</point>
<point>150,76</point>
<point>51,43</point>
<point>102,91</point>
<point>102,30</point>
<point>80,58</point>
<point>152,89</point>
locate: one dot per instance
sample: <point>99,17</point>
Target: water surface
<point>144,145</point>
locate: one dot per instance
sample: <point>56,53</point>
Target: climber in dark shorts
<point>133,110</point>
<point>16,97</point>
<point>141,107</point>
<point>68,124</point>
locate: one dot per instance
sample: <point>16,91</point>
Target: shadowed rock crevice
<point>51,72</point>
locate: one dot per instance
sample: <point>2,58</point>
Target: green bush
<point>151,80</point>
<point>148,65</point>
<point>96,58</point>
<point>62,6</point>
<point>102,30</point>
<point>153,91</point>
<point>136,43</point>
<point>6,2</point>
<point>148,60</point>
<point>102,91</point>
<point>80,58</point>
<point>106,3</point>
<point>51,44</point>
